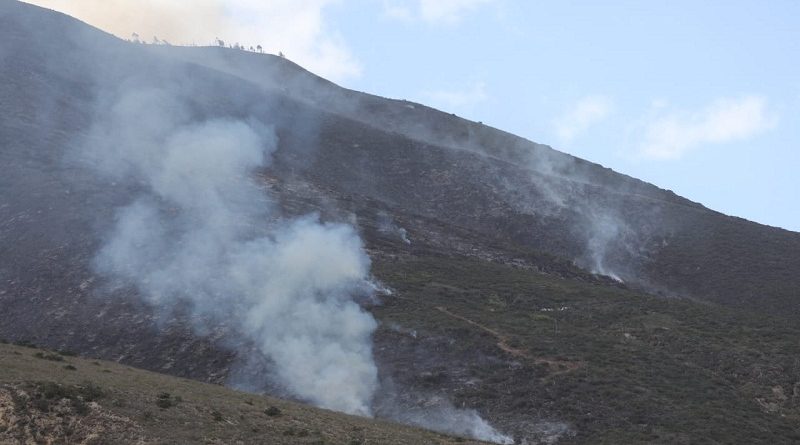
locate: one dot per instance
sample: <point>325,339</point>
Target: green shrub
<point>272,411</point>
<point>80,406</point>
<point>54,391</point>
<point>91,392</point>
<point>49,356</point>
<point>42,405</point>
<point>291,431</point>
<point>165,400</point>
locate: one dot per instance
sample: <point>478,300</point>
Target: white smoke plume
<point>443,416</point>
<point>202,232</point>
<point>606,232</point>
<point>387,226</point>
<point>297,28</point>
<point>433,411</point>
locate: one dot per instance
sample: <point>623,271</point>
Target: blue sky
<point>702,98</point>
<point>699,97</point>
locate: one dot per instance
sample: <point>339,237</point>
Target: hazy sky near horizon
<point>702,98</point>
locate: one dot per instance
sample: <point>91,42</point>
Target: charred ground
<point>494,305</point>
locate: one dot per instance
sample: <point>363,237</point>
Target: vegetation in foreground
<point>75,400</point>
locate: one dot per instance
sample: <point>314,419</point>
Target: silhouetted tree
<point>260,49</point>
<point>220,42</point>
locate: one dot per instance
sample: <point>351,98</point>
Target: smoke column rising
<point>438,414</point>
<point>202,232</point>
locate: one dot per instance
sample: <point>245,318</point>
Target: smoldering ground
<point>200,232</point>
<point>196,234</point>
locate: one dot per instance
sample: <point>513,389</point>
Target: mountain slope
<point>651,237</point>
<point>484,180</point>
<point>604,365</point>
<point>499,252</point>
<point>47,397</point>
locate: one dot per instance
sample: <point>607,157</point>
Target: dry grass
<point>156,408</point>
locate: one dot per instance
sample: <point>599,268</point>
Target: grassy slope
<point>618,366</point>
<point>128,410</point>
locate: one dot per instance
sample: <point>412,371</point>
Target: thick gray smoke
<point>202,232</point>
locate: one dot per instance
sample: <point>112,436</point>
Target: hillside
<point>592,363</point>
<point>491,183</point>
<point>48,397</point>
<point>536,197</point>
<point>479,278</point>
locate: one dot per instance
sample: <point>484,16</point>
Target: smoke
<point>295,27</point>
<point>448,419</point>
<point>387,226</point>
<point>438,414</point>
<point>202,232</point>
<point>583,200</point>
<point>605,233</point>
<point>594,211</point>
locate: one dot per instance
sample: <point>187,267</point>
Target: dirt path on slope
<point>503,342</point>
